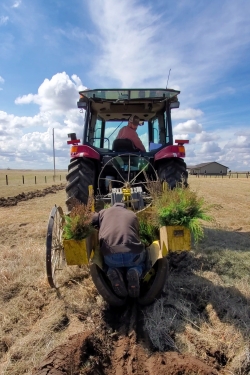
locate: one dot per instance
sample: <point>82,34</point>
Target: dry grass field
<point>205,314</point>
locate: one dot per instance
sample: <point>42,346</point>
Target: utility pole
<point>54,155</point>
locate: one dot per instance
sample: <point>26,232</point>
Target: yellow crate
<point>75,252</point>
<point>79,252</point>
<point>174,238</point>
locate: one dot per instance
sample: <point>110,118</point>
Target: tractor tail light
<point>74,149</point>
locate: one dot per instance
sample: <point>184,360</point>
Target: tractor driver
<point>129,131</point>
<point>121,247</point>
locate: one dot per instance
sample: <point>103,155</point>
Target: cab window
<point>166,127</point>
<point>96,139</point>
<point>155,131</point>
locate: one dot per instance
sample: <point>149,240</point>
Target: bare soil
<point>80,334</point>
<point>117,347</point>
<point>13,201</point>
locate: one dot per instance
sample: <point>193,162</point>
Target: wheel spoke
<point>103,178</point>
<point>56,263</point>
<point>128,167</point>
<point>139,173</point>
<point>117,171</point>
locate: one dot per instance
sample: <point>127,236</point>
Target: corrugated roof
<point>204,164</point>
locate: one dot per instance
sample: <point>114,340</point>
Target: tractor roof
<point>140,95</point>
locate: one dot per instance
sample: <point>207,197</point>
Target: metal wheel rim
<point>55,258</point>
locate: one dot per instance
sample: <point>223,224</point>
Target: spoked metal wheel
<point>55,259</point>
<point>127,178</point>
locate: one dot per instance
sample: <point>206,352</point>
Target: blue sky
<point>49,50</point>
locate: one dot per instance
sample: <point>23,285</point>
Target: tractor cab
<point>107,162</point>
<point>107,111</point>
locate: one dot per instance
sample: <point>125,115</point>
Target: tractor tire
<point>101,283</point>
<point>174,172</point>
<point>157,286</point>
<point>81,174</point>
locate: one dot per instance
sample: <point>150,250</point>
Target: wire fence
<point>29,178</point>
<point>221,175</point>
<point>47,179</point>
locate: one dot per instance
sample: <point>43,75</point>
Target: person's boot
<point>117,282</point>
<point>133,283</point>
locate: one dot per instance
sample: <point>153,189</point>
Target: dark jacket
<point>118,230</point>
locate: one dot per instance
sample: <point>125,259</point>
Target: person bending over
<point>121,247</point>
<point>129,131</point>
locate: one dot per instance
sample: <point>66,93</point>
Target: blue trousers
<point>127,260</point>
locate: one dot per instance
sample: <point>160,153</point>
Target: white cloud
<point>230,149</point>
<point>25,136</point>
<point>78,83</point>
<point>205,137</point>
<point>210,148</point>
<point>126,36</point>
<point>16,4</point>
<point>178,114</point>
<point>240,141</point>
<point>3,20</point>
<point>58,94</point>
<point>190,126</point>
<point>26,99</point>
<point>138,45</point>
<point>35,148</point>
<point>1,80</point>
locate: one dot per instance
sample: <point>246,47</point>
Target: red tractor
<point>110,165</point>
<point>114,170</point>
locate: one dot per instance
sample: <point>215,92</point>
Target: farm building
<point>211,168</point>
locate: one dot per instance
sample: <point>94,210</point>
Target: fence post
<point>7,182</point>
<point>60,177</point>
<point>35,179</point>
<point>23,179</point>
<point>237,174</point>
<point>45,179</point>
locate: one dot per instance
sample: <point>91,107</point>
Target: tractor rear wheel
<point>81,174</point>
<point>173,171</point>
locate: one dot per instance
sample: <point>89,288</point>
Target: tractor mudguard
<point>173,151</point>
<point>79,151</point>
